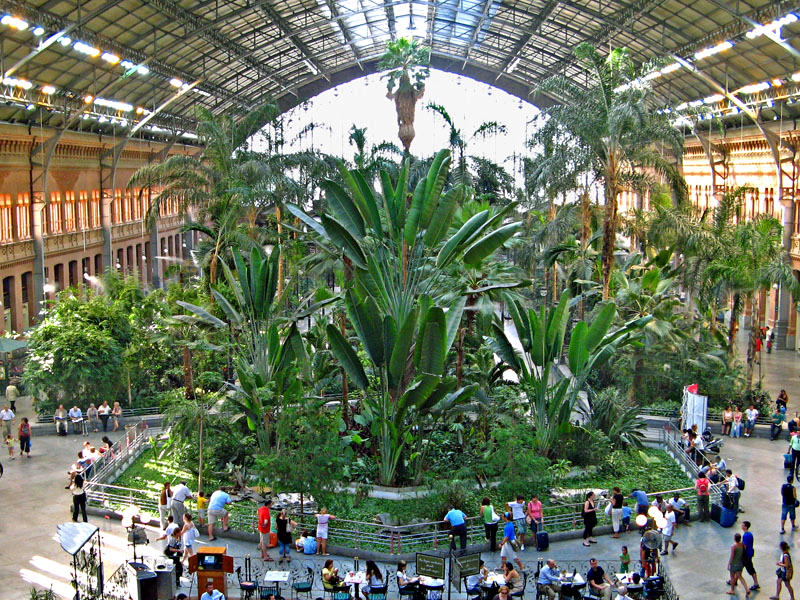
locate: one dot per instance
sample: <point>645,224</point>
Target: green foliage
<point>407,62</point>
<point>612,415</point>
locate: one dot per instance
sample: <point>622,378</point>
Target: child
<point>626,517</point>
<point>10,444</point>
<point>624,560</point>
<point>202,504</point>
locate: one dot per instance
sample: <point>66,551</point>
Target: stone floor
<point>34,502</point>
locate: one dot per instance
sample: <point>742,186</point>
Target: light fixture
<point>110,58</point>
<point>142,70</point>
<point>86,49</point>
<point>713,99</point>
<point>682,106</point>
<point>670,68</point>
<point>796,76</point>
<point>48,89</point>
<point>14,22</point>
<point>64,40</point>
<point>754,88</point>
<point>175,82</point>
<point>88,99</point>
<point>38,31</point>
<point>695,103</point>
<point>652,75</point>
<point>654,512</point>
<point>706,52</point>
<point>773,27</point>
<point>139,110</point>
<point>311,66</point>
<point>777,82</point>
<point>641,520</point>
<point>513,65</point>
<point>661,523</point>
<point>30,106</point>
<point>20,83</point>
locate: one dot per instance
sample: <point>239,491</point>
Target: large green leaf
<point>412,219</point>
<point>202,314</point>
<point>557,327</point>
<point>272,281</point>
<point>440,223</point>
<point>433,194</point>
<point>373,217</point>
<point>503,348</point>
<point>453,319</point>
<point>430,352</point>
<point>344,241</point>
<point>366,320</point>
<point>343,209</point>
<point>536,324</point>
<point>416,394</point>
<point>578,354</point>
<point>450,250</point>
<point>600,326</point>
<point>402,347</point>
<point>234,316</point>
<point>488,244</point>
<point>310,222</point>
<point>347,357</point>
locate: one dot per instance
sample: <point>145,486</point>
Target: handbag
<point>495,516</point>
<point>608,509</point>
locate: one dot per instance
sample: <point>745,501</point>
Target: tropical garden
<point>391,319</point>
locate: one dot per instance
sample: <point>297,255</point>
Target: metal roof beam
<point>487,6</point>
<point>388,8</point>
<point>293,37</point>
<point>348,37</point>
<point>531,33</point>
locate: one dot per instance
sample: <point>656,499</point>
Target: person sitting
<point>299,543</point>
<point>776,423</point>
<point>474,581</point>
<point>309,544</point>
<point>599,582</point>
<point>174,551</point>
<point>680,507</point>
<point>330,577</point>
<point>549,581</point>
<point>622,592</point>
<point>76,417</point>
<point>60,419</point>
<point>374,579</point>
<point>503,593</point>
<point>211,593</point>
<point>512,577</point>
<point>782,400</point>
<point>659,503</point>
<point>403,579</point>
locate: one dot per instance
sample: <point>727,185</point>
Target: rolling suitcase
<point>716,512</point>
<point>542,541</point>
<point>727,517</point>
<point>787,461</point>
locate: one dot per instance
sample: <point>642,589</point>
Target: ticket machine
<point>211,563</point>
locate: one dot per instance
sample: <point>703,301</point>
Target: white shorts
<point>507,552</point>
<point>213,515</point>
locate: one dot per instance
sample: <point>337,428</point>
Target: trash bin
<point>142,582</point>
<point>165,573</point>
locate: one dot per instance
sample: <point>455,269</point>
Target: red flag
<point>692,389</point>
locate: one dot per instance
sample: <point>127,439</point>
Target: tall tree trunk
<point>280,260</point>
<point>460,357</point>
<point>753,355</point>
<point>345,398</point>
<point>734,325</point>
<point>188,375</point>
<point>200,450</point>
<point>609,230</point>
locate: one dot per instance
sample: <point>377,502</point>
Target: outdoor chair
<point>473,593</point>
<point>248,588</point>
<point>521,592</point>
<point>265,591</point>
<point>301,584</point>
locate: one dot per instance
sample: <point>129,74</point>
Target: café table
<point>571,585</point>
<point>277,577</point>
<point>428,584</point>
<point>355,578</point>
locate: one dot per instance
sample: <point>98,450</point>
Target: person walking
<point>489,523</point>
<point>736,565</point>
<point>164,500</point>
<point>589,515</point>
<point>617,502</point>
<point>12,395</point>
<point>703,486</point>
<point>264,527</point>
<point>180,494</point>
<point>507,550</point>
<point>24,434</point>
<point>749,552</point>
<point>458,527</point>
<point>104,411</point>
<point>785,572</point>
<point>788,503</point>
<point>7,417</point>
<point>78,498</point>
<point>669,529</point>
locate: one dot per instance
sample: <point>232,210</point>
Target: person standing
<point>202,507</point>
<point>323,518</point>
<point>736,565</point>
<point>78,498</point>
<point>104,411</point>
<point>12,395</point>
<point>7,417</point>
<point>164,499</point>
<point>536,516</point>
<point>24,434</point>
<point>518,513</point>
<point>727,420</point>
<point>617,502</point>
<point>749,552</point>
<point>284,526</point>
<point>703,487</point>
<point>732,485</point>
<point>794,445</point>
<point>785,572</point>
<point>489,523</point>
<point>180,494</point>
<point>788,503</point>
<point>116,414</point>
<point>669,529</point>
<point>188,536</point>
<point>458,527</point>
<point>93,416</point>
<point>507,551</point>
<point>264,526</point>
<point>589,515</point>
<point>216,510</point>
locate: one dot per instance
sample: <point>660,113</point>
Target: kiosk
<point>211,564</point>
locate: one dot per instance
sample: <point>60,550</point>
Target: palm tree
<point>407,62</point>
<point>609,128</point>
<point>378,158</point>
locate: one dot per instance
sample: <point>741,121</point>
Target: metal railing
<point>672,442</point>
<point>128,447</point>
<point>126,413</point>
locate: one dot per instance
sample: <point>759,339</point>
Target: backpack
<point>740,482</point>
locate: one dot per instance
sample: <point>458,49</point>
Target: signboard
<point>455,575</point>
<point>469,564</point>
<point>694,410</point>
<point>430,565</point>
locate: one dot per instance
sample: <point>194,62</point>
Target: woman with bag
<point>785,572</point>
<point>490,520</point>
<point>285,527</point>
<point>589,515</point>
<point>24,434</point>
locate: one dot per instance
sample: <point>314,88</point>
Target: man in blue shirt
<point>749,552</point>
<point>549,580</point>
<point>507,551</point>
<point>216,510</point>
<point>642,503</point>
<point>458,524</point>
<point>211,593</point>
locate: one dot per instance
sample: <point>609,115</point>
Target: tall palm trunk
<point>609,228</point>
<point>734,325</point>
<point>754,335</point>
<point>279,291</point>
<point>200,449</point>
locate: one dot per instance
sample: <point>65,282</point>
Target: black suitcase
<point>787,462</point>
<point>716,512</point>
<point>727,501</point>
<point>542,541</point>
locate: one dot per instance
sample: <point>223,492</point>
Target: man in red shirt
<point>264,524</point>
<point>703,485</point>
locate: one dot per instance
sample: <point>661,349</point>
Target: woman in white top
<point>322,530</point>
<point>403,578</point>
<point>116,413</point>
<point>188,536</point>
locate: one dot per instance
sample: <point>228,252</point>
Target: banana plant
<point>396,255</point>
<point>541,337</point>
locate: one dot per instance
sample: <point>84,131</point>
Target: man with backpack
<point>734,487</point>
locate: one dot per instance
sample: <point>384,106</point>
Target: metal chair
<point>521,592</point>
<point>473,593</point>
<point>408,591</point>
<point>342,595</point>
<point>248,588</point>
<point>265,591</point>
<point>303,585</point>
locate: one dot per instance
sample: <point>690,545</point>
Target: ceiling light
<point>38,31</point>
<point>513,65</point>
<point>671,68</point>
<point>682,106</point>
<point>139,110</point>
<point>201,92</point>
<point>796,76</point>
<point>706,52</point>
<point>652,75</point>
<point>754,88</point>
<point>30,106</point>
<point>64,41</point>
<point>86,49</point>
<point>110,58</point>
<point>48,89</point>
<point>126,64</point>
<point>713,99</point>
<point>311,66</point>
<point>142,70</point>
<point>175,82</point>
<point>88,99</point>
<point>773,28</point>
<point>14,22</point>
<point>695,103</point>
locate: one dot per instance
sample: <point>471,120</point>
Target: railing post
<point>435,536</point>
